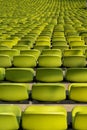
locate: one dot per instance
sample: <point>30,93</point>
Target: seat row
<point>44,117</point>
<point>51,92</point>
<point>48,58</point>
<point>43,75</point>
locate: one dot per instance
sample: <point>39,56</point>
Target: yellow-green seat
<point>75,52</point>
<point>14,91</point>
<point>2,74</point>
<point>77,89</point>
<point>5,61</point>
<point>48,92</point>
<point>49,61</point>
<point>21,47</point>
<point>24,61</point>
<point>10,116</point>
<point>44,117</point>
<point>79,118</point>
<point>33,52</point>
<point>76,75</point>
<point>19,74</point>
<point>52,52</point>
<point>74,61</point>
<point>49,74</point>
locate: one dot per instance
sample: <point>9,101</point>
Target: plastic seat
<point>3,47</point>
<point>74,61</point>
<point>33,52</point>
<point>59,43</point>
<point>76,43</point>
<point>49,74</point>
<point>44,117</point>
<point>14,92</point>
<point>48,92</point>
<point>73,38</point>
<point>2,74</point>
<point>56,52</point>
<point>76,52</point>
<point>76,75</point>
<point>10,52</point>
<point>62,48</point>
<point>21,47</point>
<point>19,74</point>
<point>24,61</point>
<point>9,117</point>
<point>76,89</point>
<point>49,61</point>
<point>79,118</point>
<point>43,43</point>
<point>5,61</point>
<point>83,48</point>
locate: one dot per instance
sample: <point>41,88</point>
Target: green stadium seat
<point>41,117</point>
<point>49,74</point>
<point>52,52</point>
<point>19,74</point>
<point>59,43</point>
<point>48,92</point>
<point>49,61</point>
<point>2,74</point>
<point>79,118</point>
<point>76,52</point>
<point>77,43</point>
<point>76,75</point>
<point>3,47</point>
<point>10,52</point>
<point>9,117</point>
<point>24,61</point>
<point>73,38</point>
<point>74,61</point>
<point>21,47</point>
<point>62,48</point>
<point>33,52</point>
<point>43,43</point>
<point>76,89</point>
<point>5,61</point>
<point>14,91</point>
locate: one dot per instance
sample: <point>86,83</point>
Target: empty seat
<point>76,75</point>
<point>40,48</point>
<point>79,118</point>
<point>75,52</point>
<point>49,74</point>
<point>24,61</point>
<point>19,74</point>
<point>21,47</point>
<point>83,48</point>
<point>59,43</point>
<point>62,48</point>
<point>51,52</point>
<point>48,92</point>
<point>14,92</point>
<point>44,117</point>
<point>74,61</point>
<point>49,61</point>
<point>76,43</point>
<point>5,61</point>
<point>42,43</point>
<point>10,52</point>
<point>3,47</point>
<point>73,38</point>
<point>77,89</point>
<point>33,52</point>
<point>9,117</point>
<point>2,74</point>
